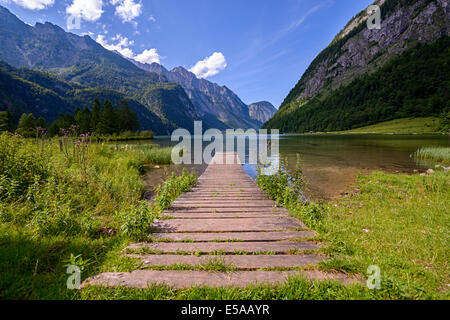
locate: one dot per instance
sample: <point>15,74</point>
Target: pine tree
<point>107,123</point>
<point>40,122</point>
<point>57,125</point>
<point>95,115</point>
<point>128,118</point>
<point>27,125</point>
<point>6,121</point>
<point>83,120</point>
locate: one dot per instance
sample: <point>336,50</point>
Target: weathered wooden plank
<point>230,236</point>
<point>226,247</point>
<point>229,225</point>
<point>246,262</point>
<point>186,279</point>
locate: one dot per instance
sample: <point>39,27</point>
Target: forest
<point>101,120</point>
<point>415,84</point>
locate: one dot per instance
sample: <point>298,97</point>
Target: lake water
<point>331,162</point>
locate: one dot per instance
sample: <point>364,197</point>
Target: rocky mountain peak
<point>261,111</point>
<point>357,50</point>
<point>9,21</point>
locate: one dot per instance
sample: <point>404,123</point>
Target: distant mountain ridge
<point>208,97</point>
<point>177,98</point>
<point>41,93</point>
<point>262,111</point>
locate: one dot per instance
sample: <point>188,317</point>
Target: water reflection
<point>332,162</point>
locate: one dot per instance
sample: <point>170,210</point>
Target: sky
<point>257,48</point>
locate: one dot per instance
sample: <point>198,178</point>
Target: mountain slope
<point>210,99</point>
<point>82,60</point>
<point>262,111</point>
<point>43,94</point>
<point>414,84</point>
<point>359,51</point>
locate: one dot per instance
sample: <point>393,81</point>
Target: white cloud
<point>34,4</point>
<point>210,66</point>
<point>127,10</point>
<point>148,56</point>
<point>90,10</point>
<point>89,33</point>
<point>122,45</point>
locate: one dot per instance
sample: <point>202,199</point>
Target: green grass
<point>54,208</point>
<point>126,136</point>
<point>401,126</point>
<point>438,154</point>
<point>83,202</point>
<point>397,222</point>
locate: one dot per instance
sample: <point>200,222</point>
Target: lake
<point>331,162</point>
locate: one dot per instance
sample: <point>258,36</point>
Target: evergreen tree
<point>108,121</point>
<point>68,121</point>
<point>6,121</point>
<point>40,122</point>
<point>128,118</point>
<point>27,125</point>
<point>95,115</point>
<point>83,120</point>
<point>56,126</point>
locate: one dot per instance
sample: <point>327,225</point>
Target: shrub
<point>20,165</point>
<point>173,187</point>
<point>136,221</point>
<point>286,188</point>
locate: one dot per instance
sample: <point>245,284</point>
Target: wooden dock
<point>225,218</point>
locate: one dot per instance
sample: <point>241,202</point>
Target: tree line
<point>100,119</point>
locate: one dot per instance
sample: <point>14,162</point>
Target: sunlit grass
<point>439,154</point>
<point>59,201</point>
<point>401,126</point>
<point>397,222</point>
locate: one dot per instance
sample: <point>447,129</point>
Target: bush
<point>136,221</point>
<point>173,187</point>
<point>286,188</point>
<point>21,165</point>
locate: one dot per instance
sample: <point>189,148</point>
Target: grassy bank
<point>436,154</point>
<point>126,136</point>
<point>71,202</point>
<point>398,222</point>
<point>430,125</point>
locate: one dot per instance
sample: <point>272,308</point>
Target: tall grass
<point>439,154</point>
<point>65,198</point>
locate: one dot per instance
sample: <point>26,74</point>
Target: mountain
<point>210,99</point>
<point>262,111</point>
<point>43,94</point>
<point>81,60</point>
<point>368,76</point>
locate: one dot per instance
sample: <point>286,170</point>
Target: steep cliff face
<point>357,50</point>
<point>262,111</point>
<point>368,76</point>
<point>210,99</point>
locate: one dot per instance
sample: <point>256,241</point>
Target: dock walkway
<point>226,220</point>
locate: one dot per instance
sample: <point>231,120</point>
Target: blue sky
<point>257,48</point>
